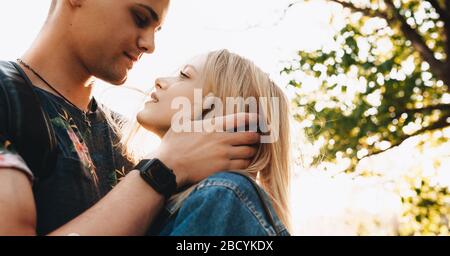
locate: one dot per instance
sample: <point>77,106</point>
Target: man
<point>82,39</point>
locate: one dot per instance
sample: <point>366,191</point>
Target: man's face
<point>109,36</point>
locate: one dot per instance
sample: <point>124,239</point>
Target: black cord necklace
<point>53,88</point>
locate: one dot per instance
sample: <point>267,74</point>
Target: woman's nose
<point>161,84</point>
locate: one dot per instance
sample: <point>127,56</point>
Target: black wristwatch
<point>158,176</point>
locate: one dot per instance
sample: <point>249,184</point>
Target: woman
<point>225,203</point>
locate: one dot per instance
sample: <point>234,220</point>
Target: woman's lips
<point>154,97</point>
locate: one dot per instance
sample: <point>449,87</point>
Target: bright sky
<point>259,30</point>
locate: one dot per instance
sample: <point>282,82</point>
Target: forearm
<point>127,210</point>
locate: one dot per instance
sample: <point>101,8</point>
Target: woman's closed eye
<point>184,75</point>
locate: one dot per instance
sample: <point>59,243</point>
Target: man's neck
<point>52,59</point>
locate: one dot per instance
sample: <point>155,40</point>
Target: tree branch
<point>285,12</point>
<point>437,66</point>
<point>440,124</point>
<point>365,11</point>
<point>442,12</point>
<point>442,107</point>
<point>259,25</point>
<point>447,31</point>
<point>447,6</point>
<point>445,17</point>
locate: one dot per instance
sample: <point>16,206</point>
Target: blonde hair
<point>230,75</point>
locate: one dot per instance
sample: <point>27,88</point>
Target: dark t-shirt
<point>89,161</point>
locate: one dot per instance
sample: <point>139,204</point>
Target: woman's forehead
<point>198,61</point>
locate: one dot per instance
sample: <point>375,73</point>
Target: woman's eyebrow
<point>152,12</point>
<point>190,66</point>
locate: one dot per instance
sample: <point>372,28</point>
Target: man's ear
<point>76,3</point>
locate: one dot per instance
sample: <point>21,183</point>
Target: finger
<point>242,152</point>
<point>241,138</point>
<point>240,164</point>
<point>239,121</point>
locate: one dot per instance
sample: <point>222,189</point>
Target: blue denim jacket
<point>225,204</point>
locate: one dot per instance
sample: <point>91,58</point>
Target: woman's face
<point>158,112</point>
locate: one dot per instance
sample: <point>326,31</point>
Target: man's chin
<point>115,80</point>
<point>118,83</point>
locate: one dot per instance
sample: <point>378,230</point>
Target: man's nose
<point>146,42</point>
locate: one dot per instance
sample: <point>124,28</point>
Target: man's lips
<point>131,57</point>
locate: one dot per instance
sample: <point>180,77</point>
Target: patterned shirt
<point>89,161</point>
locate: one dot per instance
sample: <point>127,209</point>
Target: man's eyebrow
<point>152,12</point>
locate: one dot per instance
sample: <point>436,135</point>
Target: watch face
<point>161,173</point>
<point>158,176</point>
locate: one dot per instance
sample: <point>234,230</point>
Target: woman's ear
<point>76,3</point>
